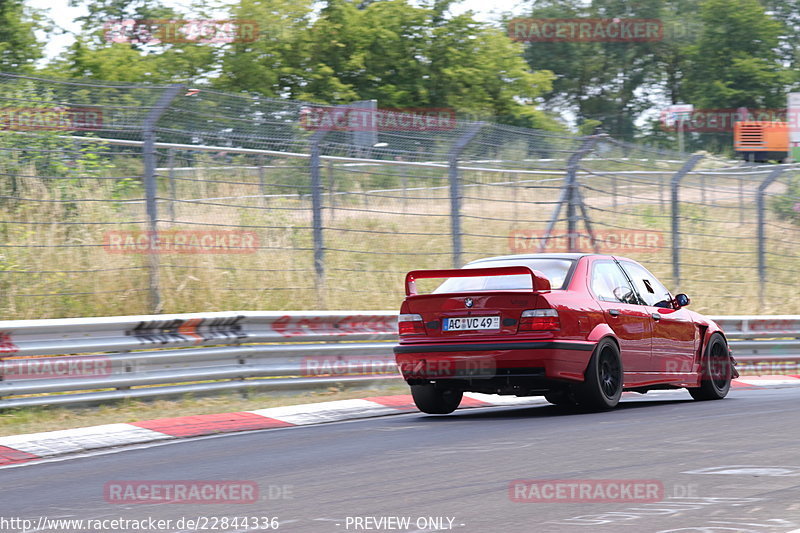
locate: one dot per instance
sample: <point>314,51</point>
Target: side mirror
<point>682,300</point>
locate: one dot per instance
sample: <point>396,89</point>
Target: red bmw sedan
<point>578,329</point>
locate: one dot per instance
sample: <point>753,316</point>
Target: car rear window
<point>555,270</point>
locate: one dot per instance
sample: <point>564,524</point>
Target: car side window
<point>610,284</point>
<point>649,288</point>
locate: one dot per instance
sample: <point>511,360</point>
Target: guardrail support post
<point>676,244</point>
<point>762,237</point>
<point>151,188</point>
<point>455,189</point>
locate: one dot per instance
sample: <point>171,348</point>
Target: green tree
<point>611,82</point>
<point>95,55</point>
<point>269,65</point>
<point>19,48</point>
<point>46,151</point>
<point>787,13</point>
<point>736,63</point>
<point>406,55</point>
<point>682,29</point>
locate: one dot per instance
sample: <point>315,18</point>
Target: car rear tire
<point>560,397</point>
<point>602,385</point>
<point>716,371</point>
<point>435,401</point>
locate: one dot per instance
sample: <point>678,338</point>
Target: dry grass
<point>371,240</point>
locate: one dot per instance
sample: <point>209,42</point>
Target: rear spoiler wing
<point>539,281</point>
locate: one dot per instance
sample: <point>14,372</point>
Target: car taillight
<point>410,324</point>
<point>539,320</point>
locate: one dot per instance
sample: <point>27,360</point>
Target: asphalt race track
<point>731,465</point>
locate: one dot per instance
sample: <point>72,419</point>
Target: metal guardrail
<point>763,344</point>
<point>91,360</point>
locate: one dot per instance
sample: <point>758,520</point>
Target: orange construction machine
<point>761,142</point>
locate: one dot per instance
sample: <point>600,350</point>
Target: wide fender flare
<point>600,332</point>
<point>707,326</point>
<point>710,329</point>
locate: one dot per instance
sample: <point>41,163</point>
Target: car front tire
<point>602,385</point>
<point>717,370</point>
<point>435,401</point>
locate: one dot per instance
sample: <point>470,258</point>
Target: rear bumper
<point>557,360</point>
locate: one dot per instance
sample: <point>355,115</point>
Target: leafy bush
<point>787,205</point>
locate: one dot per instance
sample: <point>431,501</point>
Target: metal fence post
<point>455,189</point>
<point>702,189</point>
<point>614,191</point>
<point>674,184</point>
<point>172,194</point>
<point>571,196</point>
<point>404,184</point>
<point>151,187</point>
<point>316,215</point>
<point>332,190</point>
<point>762,262</point>
<point>262,185</point>
<point>741,200</point>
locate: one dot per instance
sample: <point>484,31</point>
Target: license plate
<point>471,323</point>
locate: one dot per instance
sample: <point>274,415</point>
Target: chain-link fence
<point>137,199</point>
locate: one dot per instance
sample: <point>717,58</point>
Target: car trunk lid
<point>473,314</point>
